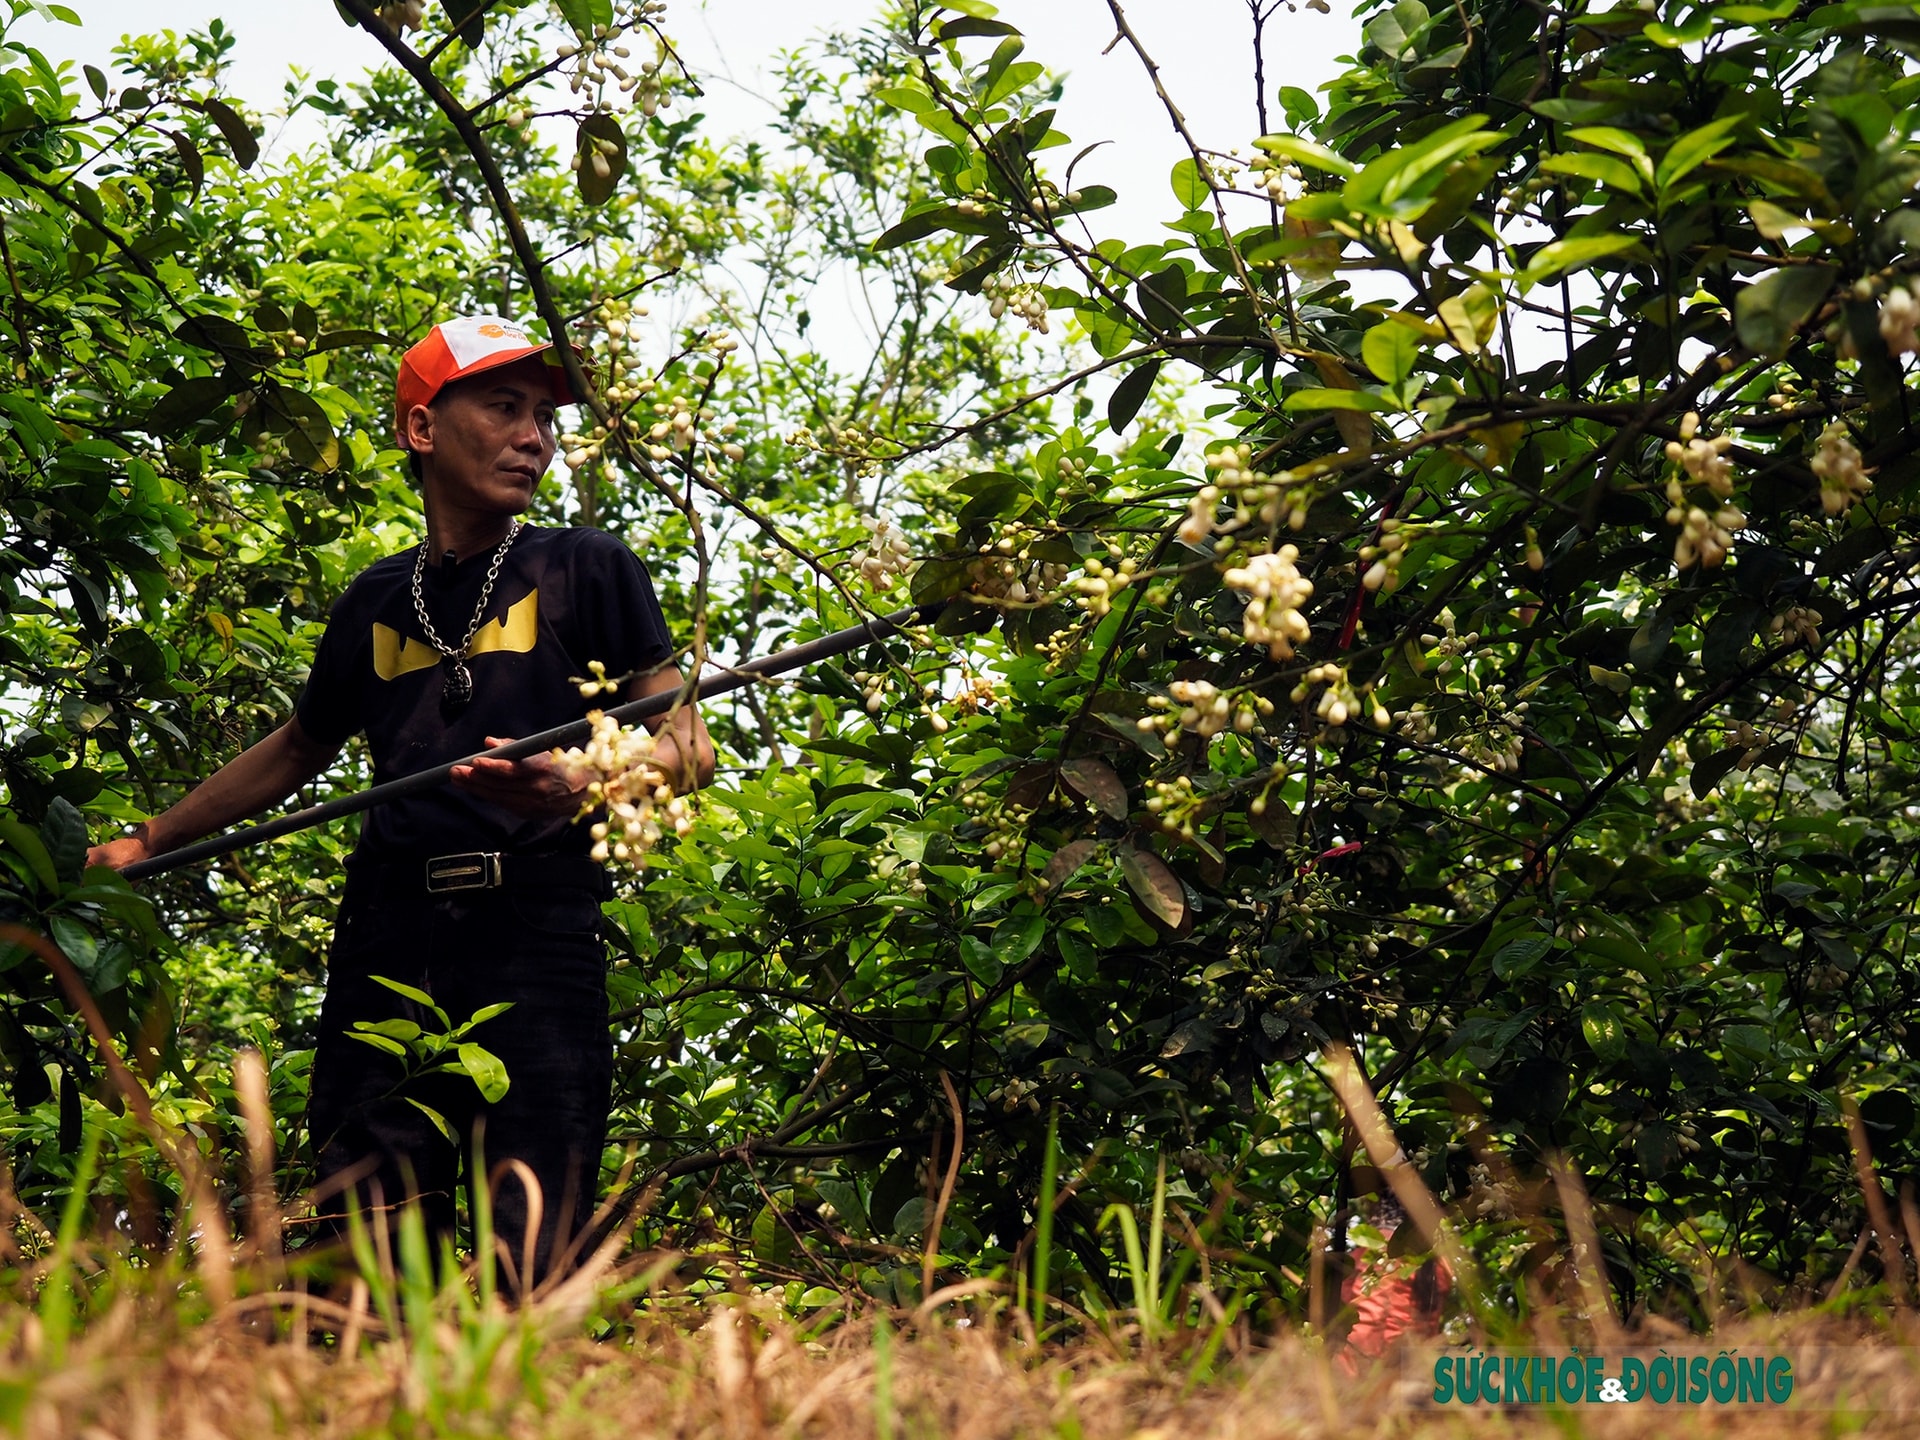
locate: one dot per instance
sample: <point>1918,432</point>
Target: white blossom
<point>1837,463</point>
<point>1275,591</point>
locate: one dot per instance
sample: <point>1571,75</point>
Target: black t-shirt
<point>563,598</point>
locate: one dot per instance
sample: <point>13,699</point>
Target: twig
<point>930,1255</point>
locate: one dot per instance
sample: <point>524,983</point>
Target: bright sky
<point>1203,47</point>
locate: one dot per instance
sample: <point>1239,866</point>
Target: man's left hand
<point>531,788</point>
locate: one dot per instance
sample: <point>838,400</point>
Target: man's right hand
<point>118,854</point>
<point>245,785</point>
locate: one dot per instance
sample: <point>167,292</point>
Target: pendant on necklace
<point>456,688</point>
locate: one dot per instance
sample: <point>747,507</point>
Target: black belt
<point>441,875</point>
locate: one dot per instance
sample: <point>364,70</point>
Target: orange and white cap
<point>455,349</point>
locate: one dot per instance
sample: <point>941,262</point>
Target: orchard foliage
<point>1448,593</point>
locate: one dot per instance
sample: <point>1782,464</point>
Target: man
<point>482,893</point>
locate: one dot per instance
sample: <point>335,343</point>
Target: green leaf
<point>1520,956</point>
<point>980,961</point>
<point>1604,168</point>
<point>1694,149</point>
<point>1130,394</point>
<point>1604,1029</point>
<point>439,1120</point>
<point>1620,142</point>
<point>1319,399</point>
<point>418,996</point>
<point>66,836</point>
<point>584,15</point>
<point>1672,37</point>
<point>971,27</point>
<point>482,1015</point>
<point>483,1067</point>
<point>1309,153</point>
<point>1768,314</point>
<point>601,146</point>
<point>1557,255</point>
<point>185,404</point>
<point>25,842</point>
<point>1018,936</point>
<point>1710,771</point>
<point>1004,54</point>
<point>386,1044</point>
<point>405,1031</point>
<point>342,339</point>
<point>1399,183</point>
<point>1391,350</point>
<point>913,99</point>
<point>238,134</point>
<point>1190,187</point>
<point>191,159</point>
<point>1393,32</point>
<point>1470,317</point>
<point>76,942</point>
<point>468,20</point>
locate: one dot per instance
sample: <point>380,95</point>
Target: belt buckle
<point>471,870</point>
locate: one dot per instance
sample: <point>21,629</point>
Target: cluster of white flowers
<point>1205,709</point>
<point>600,63</point>
<point>1340,701</point>
<point>1005,573</point>
<point>974,695</point>
<point>615,352</point>
<point>1801,623</point>
<point>1843,475</point>
<point>1446,648</point>
<point>683,424</point>
<point>873,684</point>
<point>1900,321</point>
<point>1705,535</point>
<point>1536,558</point>
<point>1255,495</point>
<point>404,15</point>
<point>597,682</point>
<point>1045,197</point>
<point>1705,538</point>
<point>1383,573</point>
<point>617,764</point>
<point>1491,740</point>
<point>1705,460</point>
<point>906,871</point>
<point>1201,511</point>
<point>858,452</point>
<point>1101,583</point>
<point>1006,825</point>
<point>1026,301</point>
<point>1177,804</point>
<point>1281,179</point>
<point>884,560</point>
<point>1071,469</point>
<point>1275,591</point>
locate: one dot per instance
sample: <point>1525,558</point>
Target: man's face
<point>487,440</point>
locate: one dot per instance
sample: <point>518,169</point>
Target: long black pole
<point>798,657</point>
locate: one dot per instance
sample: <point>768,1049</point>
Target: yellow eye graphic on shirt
<point>514,632</point>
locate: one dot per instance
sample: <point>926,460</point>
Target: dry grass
<point>211,1341</point>
<point>733,1368</point>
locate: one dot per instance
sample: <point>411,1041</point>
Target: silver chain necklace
<point>456,689</point>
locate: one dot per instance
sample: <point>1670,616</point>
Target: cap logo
<point>478,337</point>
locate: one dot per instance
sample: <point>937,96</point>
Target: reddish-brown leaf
<point>1097,781</point>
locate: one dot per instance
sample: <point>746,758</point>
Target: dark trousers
<point>537,948</point>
